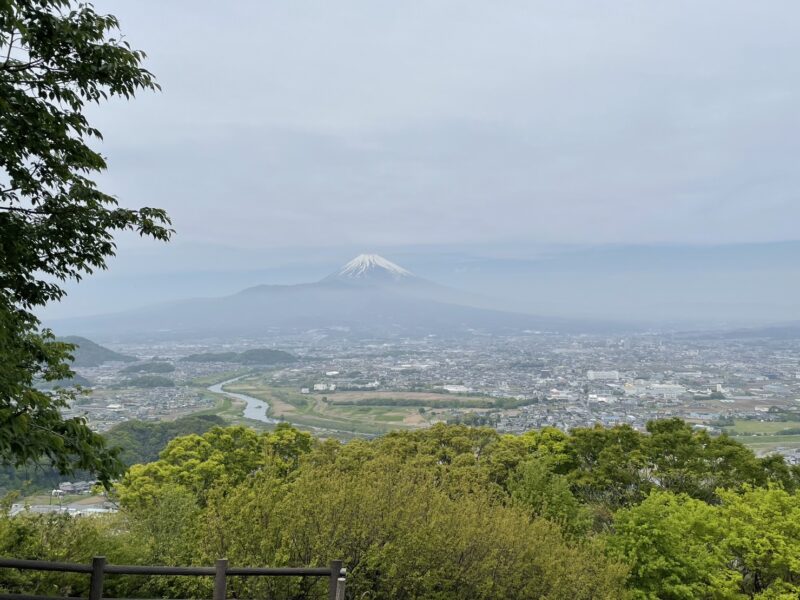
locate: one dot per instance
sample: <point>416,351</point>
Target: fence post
<point>340,588</point>
<point>96,582</point>
<point>333,582</point>
<point>220,579</point>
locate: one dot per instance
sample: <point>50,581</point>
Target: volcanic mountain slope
<point>369,295</point>
<point>371,267</point>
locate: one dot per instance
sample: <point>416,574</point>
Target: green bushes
<point>461,512</point>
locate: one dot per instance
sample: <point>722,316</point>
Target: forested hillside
<point>138,442</point>
<point>449,512</point>
<point>255,356</point>
<point>142,442</point>
<point>89,354</point>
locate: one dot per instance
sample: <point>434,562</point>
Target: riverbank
<point>255,408</point>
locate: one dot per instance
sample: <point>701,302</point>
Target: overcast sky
<point>298,123</point>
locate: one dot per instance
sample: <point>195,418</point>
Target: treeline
<point>413,402</point>
<point>426,403</point>
<point>139,442</point>
<point>256,356</point>
<point>146,381</point>
<point>449,512</point>
<point>150,367</point>
<point>474,419</point>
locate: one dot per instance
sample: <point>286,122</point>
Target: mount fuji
<point>371,267</point>
<point>369,296</point>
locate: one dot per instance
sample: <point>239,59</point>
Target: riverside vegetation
<point>447,512</point>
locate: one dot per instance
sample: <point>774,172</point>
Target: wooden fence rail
<point>220,572</point>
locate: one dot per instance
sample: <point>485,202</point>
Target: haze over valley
<point>658,286</point>
<point>399,300</point>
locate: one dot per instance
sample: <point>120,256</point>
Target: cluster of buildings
<point>565,381</point>
<point>112,401</point>
<point>534,379</point>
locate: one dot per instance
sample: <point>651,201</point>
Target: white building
<point>602,375</point>
<point>668,391</point>
<point>456,389</point>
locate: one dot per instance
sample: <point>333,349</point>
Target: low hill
<point>89,354</point>
<point>149,367</point>
<point>148,381</point>
<point>265,356</point>
<point>204,357</point>
<point>75,380</point>
<point>142,442</point>
<point>256,356</point>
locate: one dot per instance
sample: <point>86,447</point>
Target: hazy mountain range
<point>369,295</point>
<point>734,285</point>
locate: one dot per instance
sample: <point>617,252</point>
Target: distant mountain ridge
<point>667,286</point>
<point>776,331</point>
<point>369,295</point>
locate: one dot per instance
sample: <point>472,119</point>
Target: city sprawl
<point>342,386</point>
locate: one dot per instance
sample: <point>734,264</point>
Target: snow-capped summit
<point>370,265</point>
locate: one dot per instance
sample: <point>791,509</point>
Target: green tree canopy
<point>449,512</point>
<point>412,515</point>
<point>56,56</point>
<point>220,458</point>
<point>748,546</point>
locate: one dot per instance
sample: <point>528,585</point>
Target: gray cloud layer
<point>317,122</point>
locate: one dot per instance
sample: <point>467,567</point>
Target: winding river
<point>255,409</point>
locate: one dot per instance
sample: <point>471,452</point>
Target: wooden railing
<point>335,574</point>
